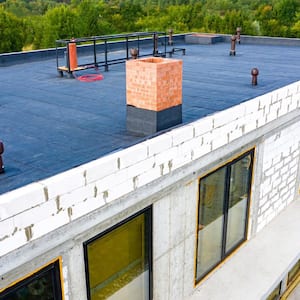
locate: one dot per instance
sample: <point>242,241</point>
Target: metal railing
<point>103,49</point>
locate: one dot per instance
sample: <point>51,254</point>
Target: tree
<point>285,11</point>
<point>296,30</point>
<point>60,22</point>
<point>88,12</point>
<point>44,21</point>
<point>197,16</point>
<point>130,13</point>
<point>18,8</point>
<point>11,28</point>
<point>179,17</point>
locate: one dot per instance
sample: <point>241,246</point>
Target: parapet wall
<point>39,208</point>
<point>205,38</point>
<point>7,59</point>
<point>264,40</point>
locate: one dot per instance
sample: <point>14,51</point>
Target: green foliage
<point>59,22</point>
<point>279,18</point>
<point>44,21</point>
<point>89,15</point>
<point>285,11</point>
<point>23,8</point>
<point>12,38</point>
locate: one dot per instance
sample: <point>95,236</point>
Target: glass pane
<point>275,294</point>
<point>238,199</point>
<point>119,262</point>
<point>210,222</point>
<point>39,287</point>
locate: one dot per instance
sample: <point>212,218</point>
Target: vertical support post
<point>60,73</point>
<point>56,55</point>
<point>155,44</point>
<point>165,42</point>
<point>68,57</point>
<point>105,55</point>
<point>1,161</point>
<point>127,54</point>
<point>95,57</point>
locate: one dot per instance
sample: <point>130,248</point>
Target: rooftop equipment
<point>105,46</point>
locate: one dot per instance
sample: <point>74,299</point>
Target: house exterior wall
<point>53,217</point>
<point>280,173</point>
<point>174,225</point>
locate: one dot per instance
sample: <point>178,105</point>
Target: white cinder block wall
<point>280,173</point>
<point>56,215</point>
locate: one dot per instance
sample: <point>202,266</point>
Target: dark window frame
<point>293,273</point>
<point>275,294</point>
<point>291,282</point>
<point>224,253</point>
<point>148,224</point>
<point>53,267</point>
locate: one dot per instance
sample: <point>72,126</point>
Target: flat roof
<point>50,124</point>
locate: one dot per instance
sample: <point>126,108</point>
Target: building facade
<point>178,216</point>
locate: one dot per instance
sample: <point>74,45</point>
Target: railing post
<point>105,54</point>
<point>1,161</point>
<point>155,44</point>
<point>95,57</point>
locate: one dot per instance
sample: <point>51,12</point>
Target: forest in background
<point>37,24</point>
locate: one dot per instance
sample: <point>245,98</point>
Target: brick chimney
<point>153,94</point>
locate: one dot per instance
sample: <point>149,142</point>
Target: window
<point>292,290</point>
<point>275,295</point>
<point>289,287</point>
<point>43,285</point>
<point>294,273</point>
<point>118,261</point>
<point>223,212</point>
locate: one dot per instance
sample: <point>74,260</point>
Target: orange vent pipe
<point>73,56</point>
